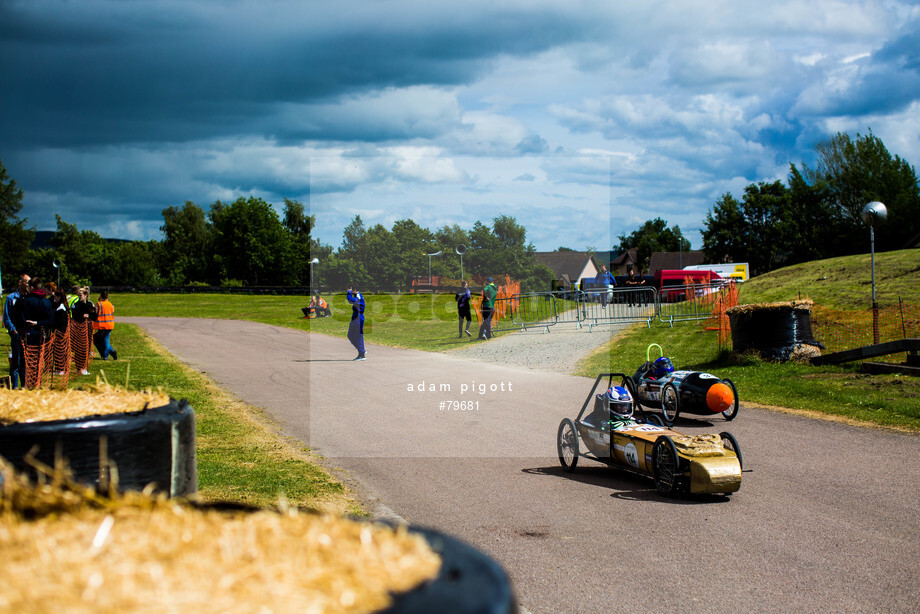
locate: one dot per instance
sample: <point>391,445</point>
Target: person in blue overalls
<point>356,327</point>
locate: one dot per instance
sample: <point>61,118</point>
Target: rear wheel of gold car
<point>567,445</point>
<point>666,466</point>
<point>669,404</point>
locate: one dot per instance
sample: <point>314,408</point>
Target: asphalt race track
<point>827,518</point>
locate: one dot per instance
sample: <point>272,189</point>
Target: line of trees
<point>816,214</point>
<point>388,259</point>
<point>246,242</point>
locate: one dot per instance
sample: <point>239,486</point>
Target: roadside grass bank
<point>240,456</point>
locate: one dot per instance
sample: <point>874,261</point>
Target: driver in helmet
<point>660,368</point>
<point>620,406</point>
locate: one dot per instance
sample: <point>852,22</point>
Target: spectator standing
<point>634,281</point>
<point>83,315</point>
<point>356,326</point>
<point>37,313</point>
<point>34,318</point>
<point>17,358</point>
<point>103,326</point>
<point>61,338</point>
<point>606,281</point>
<point>463,309</point>
<point>489,292</point>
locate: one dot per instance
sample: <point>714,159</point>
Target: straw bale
<point>63,548</point>
<point>699,445</point>
<point>805,304</point>
<point>804,353</point>
<point>42,405</point>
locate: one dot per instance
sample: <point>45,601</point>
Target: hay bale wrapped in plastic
<point>136,440</point>
<point>778,331</point>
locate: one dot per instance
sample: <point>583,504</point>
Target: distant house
<point>568,267</point>
<point>622,264</point>
<point>674,260</point>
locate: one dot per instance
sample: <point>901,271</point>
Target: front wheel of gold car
<point>666,466</point>
<point>567,445</point>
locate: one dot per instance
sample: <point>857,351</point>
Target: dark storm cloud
<point>113,72</point>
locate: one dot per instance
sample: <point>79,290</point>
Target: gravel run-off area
<point>557,351</point>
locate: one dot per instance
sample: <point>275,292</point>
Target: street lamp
<point>312,262</point>
<point>57,264</point>
<point>871,214</point>
<point>437,253</point>
<point>461,249</point>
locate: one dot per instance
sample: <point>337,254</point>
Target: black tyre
<point>153,446</point>
<point>731,412</point>
<point>730,443</point>
<point>567,445</point>
<point>670,404</point>
<point>666,466</point>
<point>654,419</point>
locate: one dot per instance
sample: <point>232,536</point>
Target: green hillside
<point>842,283</point>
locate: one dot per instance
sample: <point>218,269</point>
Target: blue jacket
<point>8,311</point>
<point>606,279</point>
<point>357,304</point>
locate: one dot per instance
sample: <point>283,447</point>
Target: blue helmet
<point>620,401</point>
<point>662,367</point>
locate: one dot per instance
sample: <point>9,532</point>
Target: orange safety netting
<point>48,359</point>
<point>847,330</point>
<point>39,355</point>
<point>503,306</point>
<point>724,299</point>
<point>81,343</point>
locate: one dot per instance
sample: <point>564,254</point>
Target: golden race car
<point>612,428</point>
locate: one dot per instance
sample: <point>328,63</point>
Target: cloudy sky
<point>581,119</point>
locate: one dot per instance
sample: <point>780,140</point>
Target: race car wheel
<point>669,404</point>
<point>655,419</point>
<point>732,411</point>
<point>666,466</point>
<point>730,443</point>
<point>567,445</point>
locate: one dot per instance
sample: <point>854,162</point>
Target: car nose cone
<point>719,397</point>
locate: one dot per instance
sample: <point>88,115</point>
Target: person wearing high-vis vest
<point>103,325</point>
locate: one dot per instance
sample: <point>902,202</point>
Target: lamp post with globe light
<point>312,262</point>
<point>871,214</point>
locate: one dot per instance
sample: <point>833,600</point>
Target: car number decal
<point>631,454</point>
<point>648,428</point>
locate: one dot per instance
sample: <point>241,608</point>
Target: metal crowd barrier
<point>688,302</point>
<point>617,306</point>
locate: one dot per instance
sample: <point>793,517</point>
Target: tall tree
<point>187,245</point>
<point>15,237</point>
<point>250,243</point>
<point>861,170</point>
<point>298,226</point>
<point>503,249</point>
<point>653,236</point>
